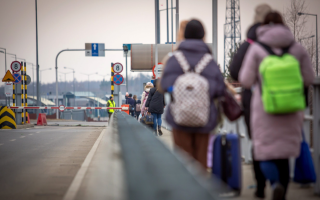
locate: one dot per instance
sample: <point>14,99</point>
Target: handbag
<point>304,169</point>
<point>149,119</point>
<point>230,106</point>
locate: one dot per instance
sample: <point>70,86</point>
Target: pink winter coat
<point>274,136</point>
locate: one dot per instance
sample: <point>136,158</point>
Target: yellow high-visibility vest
<point>111,105</point>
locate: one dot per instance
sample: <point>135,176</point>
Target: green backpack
<point>282,83</point>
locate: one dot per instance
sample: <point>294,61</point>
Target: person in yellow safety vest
<point>111,104</point>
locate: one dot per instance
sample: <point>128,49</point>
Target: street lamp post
<point>21,59</point>
<point>300,39</point>
<point>317,55</point>
<point>32,76</point>
<point>41,74</point>
<point>15,56</point>
<point>5,52</point>
<point>5,57</point>
<point>125,49</point>
<point>74,86</point>
<point>88,80</point>
<point>5,64</point>
<point>103,79</point>
<point>65,80</point>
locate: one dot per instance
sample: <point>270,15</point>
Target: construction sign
<point>7,118</point>
<point>8,77</point>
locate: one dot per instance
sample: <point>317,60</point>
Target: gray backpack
<point>191,99</point>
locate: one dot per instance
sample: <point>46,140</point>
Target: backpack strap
<point>204,61</point>
<point>267,48</point>
<point>182,61</point>
<point>271,52</point>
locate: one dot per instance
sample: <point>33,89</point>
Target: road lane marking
<point>13,140</point>
<point>30,134</point>
<point>22,136</point>
<point>38,132</point>
<point>1,144</point>
<point>76,183</point>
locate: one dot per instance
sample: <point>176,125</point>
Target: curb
<point>25,126</point>
<point>78,125</point>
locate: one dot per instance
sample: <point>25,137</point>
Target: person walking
<point>135,103</point>
<point>276,137</point>
<point>260,12</point>
<point>192,58</point>
<point>144,97</point>
<point>138,108</point>
<point>131,103</point>
<point>111,104</point>
<point>155,104</point>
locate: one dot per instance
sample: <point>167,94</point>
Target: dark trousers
<point>131,113</point>
<point>260,179</point>
<point>195,144</point>
<point>110,115</point>
<point>137,114</point>
<point>277,171</point>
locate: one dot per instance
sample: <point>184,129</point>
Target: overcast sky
<point>72,23</point>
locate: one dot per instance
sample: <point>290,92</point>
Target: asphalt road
<point>40,163</point>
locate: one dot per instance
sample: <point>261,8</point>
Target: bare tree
<point>295,22</point>
<point>297,25</point>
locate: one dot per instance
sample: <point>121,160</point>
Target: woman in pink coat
<point>276,138</point>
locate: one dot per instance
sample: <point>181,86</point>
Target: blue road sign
<point>128,45</point>
<point>95,49</point>
<point>17,78</point>
<point>118,79</point>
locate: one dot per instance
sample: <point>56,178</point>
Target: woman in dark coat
<point>194,140</point>
<point>235,67</point>
<point>155,104</point>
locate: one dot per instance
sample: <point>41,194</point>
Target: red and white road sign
<point>117,68</point>
<point>61,108</point>
<point>157,70</point>
<point>15,66</point>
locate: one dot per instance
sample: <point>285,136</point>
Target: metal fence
<point>153,171</point>
<point>78,115</point>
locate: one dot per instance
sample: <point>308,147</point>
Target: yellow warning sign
<point>8,77</point>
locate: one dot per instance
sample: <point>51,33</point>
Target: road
<point>40,163</point>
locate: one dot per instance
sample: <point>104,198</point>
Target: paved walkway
<point>296,192</point>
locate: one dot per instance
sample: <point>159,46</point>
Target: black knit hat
<point>194,30</point>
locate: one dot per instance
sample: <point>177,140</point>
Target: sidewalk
<point>295,192</point>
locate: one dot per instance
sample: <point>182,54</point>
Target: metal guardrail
<point>152,171</point>
<point>316,132</point>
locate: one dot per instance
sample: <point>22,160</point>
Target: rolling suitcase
<point>226,161</point>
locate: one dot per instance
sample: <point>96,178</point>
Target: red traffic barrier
<point>125,108</point>
<point>28,118</point>
<point>42,119</point>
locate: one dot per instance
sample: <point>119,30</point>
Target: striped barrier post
<point>112,84</point>
<point>7,118</point>
<point>22,93</point>
<point>26,91</point>
<point>14,94</point>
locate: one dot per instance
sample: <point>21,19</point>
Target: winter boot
<point>159,130</point>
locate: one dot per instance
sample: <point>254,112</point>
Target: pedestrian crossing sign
<point>8,77</point>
